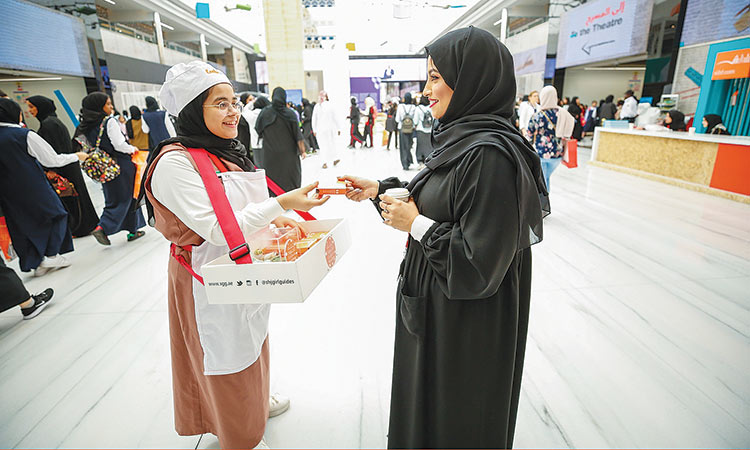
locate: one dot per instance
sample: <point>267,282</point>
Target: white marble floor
<point>639,334</point>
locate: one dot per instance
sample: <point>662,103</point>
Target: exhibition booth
<point>713,164</point>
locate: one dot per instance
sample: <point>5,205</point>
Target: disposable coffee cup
<point>399,194</point>
<point>691,130</point>
<point>631,126</point>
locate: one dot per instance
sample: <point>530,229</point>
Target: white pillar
<point>204,55</point>
<point>504,25</point>
<point>159,36</point>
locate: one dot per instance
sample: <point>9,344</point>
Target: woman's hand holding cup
<point>298,199</point>
<point>364,189</point>
<point>398,214</point>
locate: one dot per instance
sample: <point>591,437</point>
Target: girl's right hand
<point>363,188</point>
<point>298,199</point>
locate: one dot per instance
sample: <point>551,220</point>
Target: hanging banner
<point>731,65</point>
<point>602,30</point>
<point>530,61</point>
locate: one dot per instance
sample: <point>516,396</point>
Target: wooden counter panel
<point>691,161</point>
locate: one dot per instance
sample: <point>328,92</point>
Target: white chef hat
<point>185,82</point>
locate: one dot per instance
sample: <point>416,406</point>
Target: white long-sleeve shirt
<point>177,186</point>
<point>525,112</point>
<point>629,108</point>
<point>119,142</point>
<point>144,126</point>
<point>40,150</point>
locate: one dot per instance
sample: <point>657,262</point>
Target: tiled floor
<point>639,335</point>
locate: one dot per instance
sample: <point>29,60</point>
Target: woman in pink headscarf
<point>547,129</point>
<point>326,127</point>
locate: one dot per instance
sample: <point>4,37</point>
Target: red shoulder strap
<point>275,188</point>
<point>239,250</point>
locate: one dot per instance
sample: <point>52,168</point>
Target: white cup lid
<point>398,192</point>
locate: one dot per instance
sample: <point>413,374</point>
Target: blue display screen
<point>63,51</point>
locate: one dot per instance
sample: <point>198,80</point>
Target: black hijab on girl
<point>151,104</point>
<point>10,112</point>
<point>712,120</point>
<point>45,107</point>
<point>135,112</point>
<point>91,112</point>
<point>261,102</point>
<point>480,71</point>
<point>278,109</point>
<point>192,132</point>
<point>678,121</point>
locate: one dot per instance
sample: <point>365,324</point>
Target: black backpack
<point>427,119</point>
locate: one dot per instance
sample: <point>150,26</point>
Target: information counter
<point>714,164</point>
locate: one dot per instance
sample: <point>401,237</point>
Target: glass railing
<point>147,37</point>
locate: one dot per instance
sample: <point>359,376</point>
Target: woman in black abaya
<point>82,217</point>
<point>575,110</point>
<point>283,143</point>
<point>119,212</point>
<point>464,288</point>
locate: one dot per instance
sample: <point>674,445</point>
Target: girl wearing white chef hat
<point>220,356</point>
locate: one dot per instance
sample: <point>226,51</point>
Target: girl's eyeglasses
<point>224,106</point>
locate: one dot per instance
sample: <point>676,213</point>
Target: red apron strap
<point>239,250</point>
<point>181,259</point>
<point>275,188</point>
<point>218,163</point>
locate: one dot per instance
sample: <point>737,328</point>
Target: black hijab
<point>45,107</point>
<point>91,112</point>
<point>192,132</point>
<point>278,109</point>
<point>10,112</point>
<point>151,104</point>
<point>407,99</point>
<point>712,120</point>
<point>574,109</point>
<point>678,121</point>
<point>480,71</point>
<point>51,129</point>
<point>261,102</point>
<point>135,112</point>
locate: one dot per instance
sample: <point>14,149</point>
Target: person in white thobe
<point>325,125</point>
<point>630,107</point>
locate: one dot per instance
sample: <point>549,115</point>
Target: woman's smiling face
<point>221,123</point>
<point>437,90</point>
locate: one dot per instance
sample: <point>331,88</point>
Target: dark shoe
<point>336,162</point>
<point>41,301</point>
<point>137,235</point>
<point>100,236</point>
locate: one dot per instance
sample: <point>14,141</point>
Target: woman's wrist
<point>377,190</point>
<point>283,200</point>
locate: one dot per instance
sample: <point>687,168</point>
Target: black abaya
<point>464,288</point>
<point>462,310</point>
<point>279,128</point>
<point>281,154</point>
<point>82,217</point>
<point>12,288</point>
